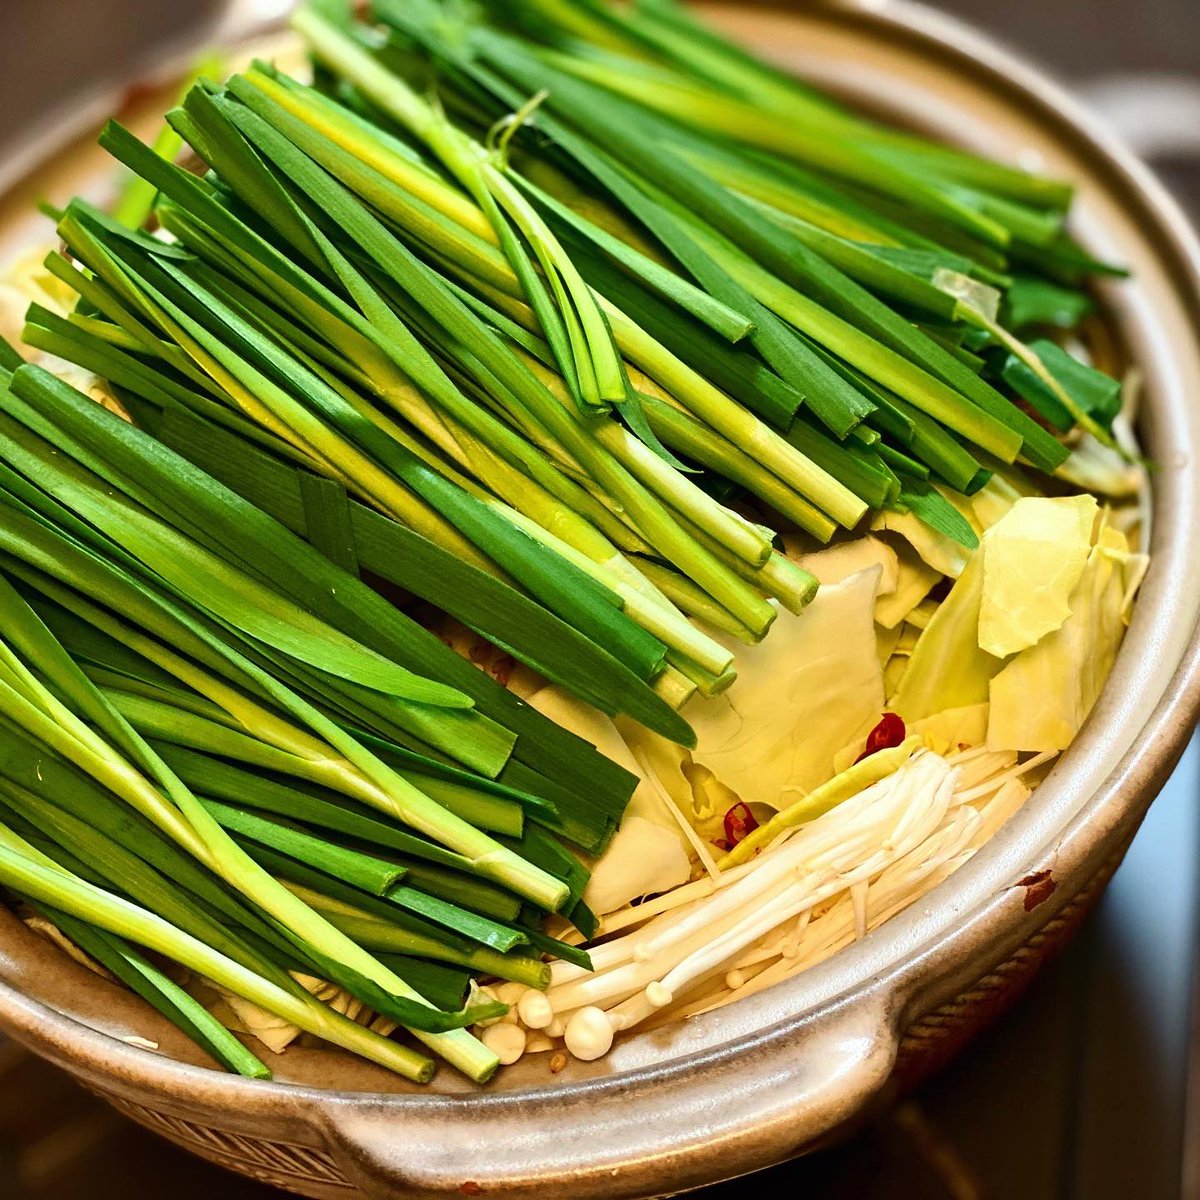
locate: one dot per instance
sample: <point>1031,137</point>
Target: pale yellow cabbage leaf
<point>1041,699</point>
<point>1032,560</point>
<point>954,729</point>
<point>651,850</point>
<point>944,555</point>
<point>947,669</point>
<point>914,580</point>
<point>593,726</point>
<point>840,561</point>
<point>940,553</point>
<point>643,859</point>
<point>798,699</point>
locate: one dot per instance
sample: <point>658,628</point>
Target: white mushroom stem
<point>770,947</point>
<point>658,995</point>
<point>718,952</point>
<point>589,1034</point>
<point>506,1042</point>
<point>959,757</point>
<point>535,1010</point>
<point>698,889</point>
<point>813,891</point>
<point>973,771</point>
<point>992,785</point>
<point>719,930</point>
<point>1001,806</point>
<point>894,890</point>
<point>791,944</point>
<point>755,885</point>
<point>858,899</point>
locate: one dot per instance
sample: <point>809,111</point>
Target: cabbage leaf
<point>943,554</point>
<point>947,669</point>
<point>843,559</point>
<point>1041,699</point>
<point>914,581</point>
<point>1032,560</point>
<point>798,699</point>
<point>643,859</point>
<point>954,729</point>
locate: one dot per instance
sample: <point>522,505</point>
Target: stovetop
<point>1090,1088</point>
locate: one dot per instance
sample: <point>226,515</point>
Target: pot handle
<point>714,1116</point>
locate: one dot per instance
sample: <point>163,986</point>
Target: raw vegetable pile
<point>547,423</point>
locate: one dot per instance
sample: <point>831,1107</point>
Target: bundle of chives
<point>38,877</point>
<point>827,231</point>
<point>478,737</point>
<point>84,232</point>
<point>147,856</point>
<point>86,735</point>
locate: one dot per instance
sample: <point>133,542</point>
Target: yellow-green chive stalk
<point>546,519</point>
<point>712,406</point>
<point>370,779</point>
<point>799,139</point>
<point>695,602</point>
<point>393,160</point>
<point>674,686</point>
<point>849,783</point>
<point>188,823</point>
<point>383,937</point>
<point>51,885</point>
<point>706,683</point>
<point>654,613</point>
<point>862,351</point>
<point>595,363</point>
<point>666,482</point>
<point>760,187</point>
<point>469,252</point>
<point>682,432</point>
<point>1033,361</point>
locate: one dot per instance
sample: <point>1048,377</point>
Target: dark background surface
<point>1082,1092</point>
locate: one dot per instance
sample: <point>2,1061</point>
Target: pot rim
<point>855,1004</point>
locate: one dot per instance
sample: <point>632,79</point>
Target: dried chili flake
<point>740,822</point>
<point>890,732</point>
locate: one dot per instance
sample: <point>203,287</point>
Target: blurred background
<point>1090,1089</point>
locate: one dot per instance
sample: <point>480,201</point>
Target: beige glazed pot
<point>779,1072</point>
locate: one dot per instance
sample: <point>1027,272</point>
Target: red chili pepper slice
<point>739,823</point>
<point>890,732</point>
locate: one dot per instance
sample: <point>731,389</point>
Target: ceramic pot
<point>781,1071</point>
